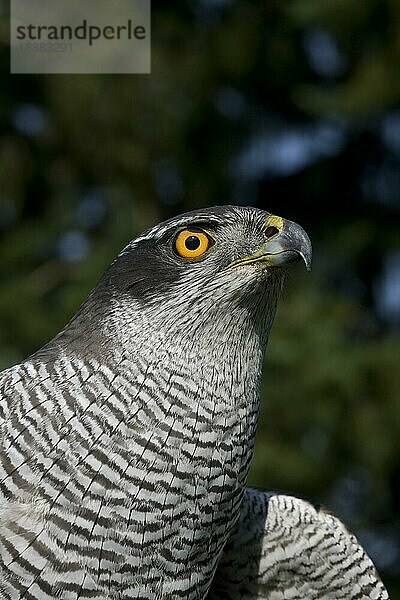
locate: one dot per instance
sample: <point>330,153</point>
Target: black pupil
<point>192,242</point>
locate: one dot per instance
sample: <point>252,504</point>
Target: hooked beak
<point>288,243</point>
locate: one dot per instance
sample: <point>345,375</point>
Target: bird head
<point>203,268</point>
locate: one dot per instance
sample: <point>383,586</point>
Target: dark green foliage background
<point>86,162</point>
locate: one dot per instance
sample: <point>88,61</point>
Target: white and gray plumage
<point>125,442</point>
<point>285,548</point>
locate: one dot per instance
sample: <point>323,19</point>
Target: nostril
<point>271,231</point>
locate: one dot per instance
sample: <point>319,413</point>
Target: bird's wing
<point>285,548</point>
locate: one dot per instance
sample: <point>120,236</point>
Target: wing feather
<point>285,548</point>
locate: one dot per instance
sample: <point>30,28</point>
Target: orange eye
<point>191,244</point>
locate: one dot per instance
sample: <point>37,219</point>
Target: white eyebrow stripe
<point>158,231</point>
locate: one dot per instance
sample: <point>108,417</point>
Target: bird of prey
<point>125,442</point>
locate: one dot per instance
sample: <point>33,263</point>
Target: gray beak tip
<point>306,260</point>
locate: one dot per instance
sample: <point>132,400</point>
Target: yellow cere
<point>191,244</point>
<point>274,221</point>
